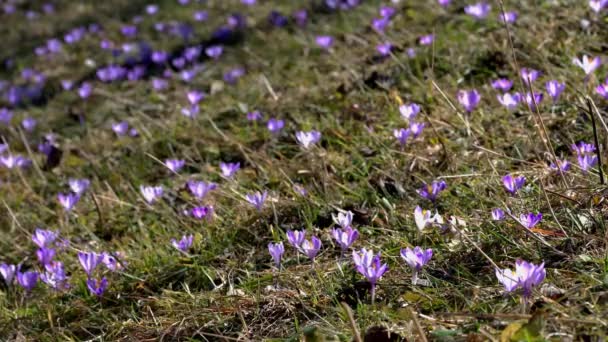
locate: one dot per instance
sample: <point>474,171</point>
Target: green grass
<point>224,289</point>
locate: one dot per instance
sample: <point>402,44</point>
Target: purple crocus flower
<point>159,57</point>
<point>8,273</point>
<point>301,17</point>
<point>68,201</point>
<point>384,49</point>
<point>526,275</point>
<point>512,184</point>
<point>597,5</point>
<point>85,90</point>
<point>11,161</point>
<point>79,186</point>
<point>296,237</point>
<point>232,76</point>
<point>370,267</point>
<point>110,261</point>
<point>423,217</point>
<point>201,212</point>
<point>257,199</point>
<point>426,39</point>
<point>345,237</point>
<point>502,84</point>
<point>54,276</point>
<point>192,53</point>
<point>97,287</point>
<point>175,165</point>
<point>311,247</point>
<point>42,237</point>
<point>587,64</point>
<point>275,126</point>
<point>586,161</point>
<point>324,42</point>
<point>343,219</point>
<point>120,128</point>
<point>479,10</point>
<point>5,116</point>
<point>508,17</point>
<point>533,100</point>
<point>190,112</point>
<point>45,255</point>
<point>151,193</point>
<point>554,89</point>
<point>184,244</point>
<point>152,9</point>
<point>200,16</point>
<point>583,148</point>
<point>249,2</point>
<point>195,96</point>
<point>27,280</point>
<point>229,169</point>
<point>444,3</point>
<point>530,220</point>
<point>431,191</point>
<point>129,31</point>
<point>402,135</point>
<point>200,189</point>
<point>276,251</point>
<point>159,84</point>
<point>307,139</point>
<point>469,99</point>
<point>28,124</point>
<point>254,115</point>
<point>89,261</point>
<point>416,128</point>
<point>380,24</point>
<point>409,110</point>
<point>387,11</point>
<point>416,258</point>
<point>498,214</point>
<point>214,51</point>
<point>508,100</point>
<point>561,167</point>
<point>528,74</point>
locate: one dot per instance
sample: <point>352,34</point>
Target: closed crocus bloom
<point>214,51</point>
<point>89,261</point>
<point>513,184</point>
<point>469,99</point>
<point>276,251</point>
<point>201,212</point>
<point>307,139</point>
<point>45,255</point>
<point>370,266</point>
<point>597,5</point>
<point>195,96</point>
<point>554,89</point>
<point>8,273</point>
<point>498,214</point>
<point>426,39</point>
<point>587,64</point>
<point>602,90</point>
<point>384,49</point>
<point>27,280</point>
<point>275,126</point>
<point>416,128</point>
<point>586,161</point>
<point>509,17</point>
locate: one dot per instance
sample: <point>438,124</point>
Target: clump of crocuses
<point>370,266</point>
